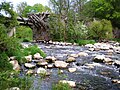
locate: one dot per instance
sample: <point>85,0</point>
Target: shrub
<point>81,31</point>
<point>4,63</point>
<point>24,33</point>
<point>61,86</point>
<point>10,79</point>
<point>100,30</point>
<point>84,42</point>
<point>33,50</point>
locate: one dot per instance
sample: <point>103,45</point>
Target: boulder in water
<point>60,64</point>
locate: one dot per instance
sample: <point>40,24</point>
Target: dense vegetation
<point>10,46</point>
<point>79,21</point>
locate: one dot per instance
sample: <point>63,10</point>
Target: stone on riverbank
<point>14,88</point>
<point>116,81</point>
<point>30,65</point>
<point>42,63</point>
<point>50,59</point>
<point>15,64</point>
<point>37,56</point>
<point>70,59</point>
<point>74,55</point>
<point>29,72</point>
<point>72,70</point>
<point>28,58</point>
<point>41,71</point>
<point>60,64</point>
<point>71,83</point>
<point>82,54</point>
<point>117,63</point>
<point>99,58</point>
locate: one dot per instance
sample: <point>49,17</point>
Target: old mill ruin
<point>38,23</point>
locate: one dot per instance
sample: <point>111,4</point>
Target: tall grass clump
<point>61,86</point>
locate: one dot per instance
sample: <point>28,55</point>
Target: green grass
<point>84,42</point>
<point>116,39</point>
<point>31,50</point>
<point>61,86</point>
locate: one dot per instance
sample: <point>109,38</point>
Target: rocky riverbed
<point>89,67</point>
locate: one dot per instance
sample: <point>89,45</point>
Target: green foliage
<point>81,31</point>
<point>20,7</point>
<point>8,9</point>
<point>34,9</point>
<point>100,30</point>
<point>57,28</point>
<point>4,63</point>
<point>104,9</point>
<point>84,42</point>
<point>61,86</point>
<point>60,31</point>
<point>24,33</point>
<point>33,50</point>
<point>10,79</point>
<point>9,45</point>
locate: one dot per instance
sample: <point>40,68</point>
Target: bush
<point>61,86</point>
<point>84,42</point>
<point>24,33</point>
<point>100,30</point>
<point>81,31</point>
<point>4,63</point>
<point>8,47</point>
<point>10,79</point>
<point>33,50</point>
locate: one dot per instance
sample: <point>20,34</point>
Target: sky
<point>29,2</point>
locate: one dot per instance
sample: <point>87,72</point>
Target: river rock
<point>82,54</point>
<point>89,66</point>
<point>42,63</point>
<point>110,52</point>
<point>116,81</point>
<point>36,61</point>
<point>28,58</point>
<point>41,71</point>
<point>15,64</point>
<point>70,59</point>
<point>14,88</point>
<point>60,64</point>
<point>108,61</point>
<point>12,58</point>
<point>117,63</point>
<point>72,69</point>
<point>91,49</point>
<point>50,59</point>
<point>29,72</point>
<point>89,45</point>
<point>37,56</point>
<point>103,46</point>
<point>99,58</point>
<point>50,66</point>
<point>71,83</point>
<point>74,55</point>
<point>30,65</point>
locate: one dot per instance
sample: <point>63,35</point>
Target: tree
<point>34,9</point>
<point>11,20</point>
<point>104,9</point>
<point>100,30</point>
<point>20,7</point>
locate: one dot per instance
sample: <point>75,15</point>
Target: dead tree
<point>38,24</point>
